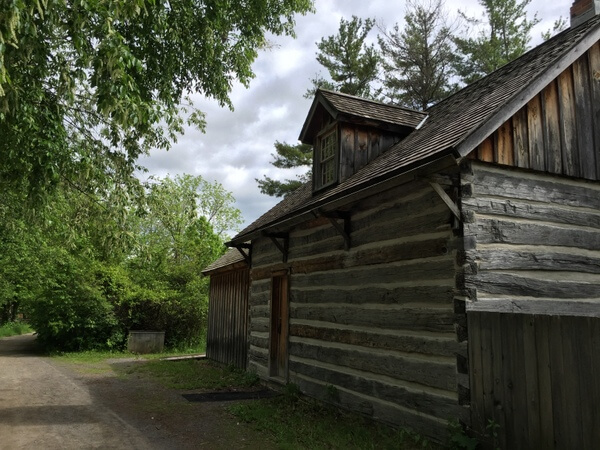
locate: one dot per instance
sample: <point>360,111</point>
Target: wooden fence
<point>535,380</point>
<point>227,338</point>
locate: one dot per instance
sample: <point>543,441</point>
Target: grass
<point>289,420</point>
<point>14,329</point>
<point>299,423</point>
<point>195,374</point>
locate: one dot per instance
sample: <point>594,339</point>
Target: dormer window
<point>326,158</point>
<point>348,132</point>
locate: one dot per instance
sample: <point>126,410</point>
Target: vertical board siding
<point>544,392</point>
<point>558,131</point>
<point>376,322</point>
<point>227,337</point>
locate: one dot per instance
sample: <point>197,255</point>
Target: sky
<point>236,146</point>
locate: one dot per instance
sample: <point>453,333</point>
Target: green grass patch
<point>295,423</point>
<point>195,374</point>
<point>14,329</point>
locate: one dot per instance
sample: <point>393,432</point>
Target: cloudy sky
<point>237,145</point>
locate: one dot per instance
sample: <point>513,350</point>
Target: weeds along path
<point>45,404</point>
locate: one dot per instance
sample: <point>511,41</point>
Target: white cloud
<point>237,146</point>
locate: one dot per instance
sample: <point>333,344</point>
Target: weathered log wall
<point>227,335</point>
<point>532,241</point>
<point>361,144</point>
<point>372,329</point>
<point>558,131</point>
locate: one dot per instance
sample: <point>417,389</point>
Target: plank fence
<point>227,336</point>
<point>535,380</point>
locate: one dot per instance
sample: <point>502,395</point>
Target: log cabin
<point>445,264</point>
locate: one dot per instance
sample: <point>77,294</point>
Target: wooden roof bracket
<point>344,231</point>
<point>445,198</point>
<point>247,256</point>
<point>282,247</point>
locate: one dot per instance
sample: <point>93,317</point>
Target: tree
<point>288,157</point>
<point>559,25</point>
<point>417,60</point>
<point>351,63</point>
<point>87,87</point>
<point>504,35</point>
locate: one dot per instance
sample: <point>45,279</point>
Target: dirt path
<point>44,404</point>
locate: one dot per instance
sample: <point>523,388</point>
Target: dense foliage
<point>351,63</point>
<point>83,280</point>
<point>287,156</point>
<point>417,60</point>
<point>88,86</point>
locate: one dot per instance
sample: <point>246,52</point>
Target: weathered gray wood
<point>346,152</point>
<point>594,74</point>
<point>585,126</point>
<point>439,373</point>
<point>420,270</point>
<point>426,319</point>
<point>520,138</point>
<point>568,124</point>
<point>435,295</point>
<point>536,136</point>
<point>516,208</point>
<point>542,259</point>
<point>504,144</point>
<point>571,399</point>
<point>551,128</point>
<point>442,406</point>
<point>523,286</point>
<point>544,382</point>
<point>516,305</point>
<point>441,345</point>
<point>477,418</point>
<point>228,317</point>
<point>393,252</point>
<point>594,375</point>
<point>532,233</point>
<point>361,149</point>
<point>384,411</point>
<point>584,354</point>
<point>542,188</point>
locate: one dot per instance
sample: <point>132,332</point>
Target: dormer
<point>347,132</point>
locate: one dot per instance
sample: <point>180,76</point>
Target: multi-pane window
<point>327,150</point>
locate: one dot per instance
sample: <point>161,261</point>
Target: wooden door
<point>279,326</point>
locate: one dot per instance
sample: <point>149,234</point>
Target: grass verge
<point>196,374</point>
<point>14,329</point>
<point>299,423</point>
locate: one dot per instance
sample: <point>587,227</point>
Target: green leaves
<point>81,81</point>
<point>351,63</point>
<point>287,157</point>
<point>502,37</point>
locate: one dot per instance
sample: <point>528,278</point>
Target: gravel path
<point>48,405</point>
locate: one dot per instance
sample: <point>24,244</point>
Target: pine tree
<point>288,157</point>
<point>504,35</point>
<point>351,63</point>
<point>417,60</point>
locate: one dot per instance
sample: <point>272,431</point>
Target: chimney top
<point>582,10</point>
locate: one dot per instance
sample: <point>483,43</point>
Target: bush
<point>71,314</point>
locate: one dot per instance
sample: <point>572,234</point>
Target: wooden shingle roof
<point>230,258</point>
<point>454,126</point>
<point>352,108</point>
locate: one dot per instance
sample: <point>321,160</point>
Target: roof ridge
<point>377,102</point>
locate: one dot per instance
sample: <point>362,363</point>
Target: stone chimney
<point>582,10</point>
